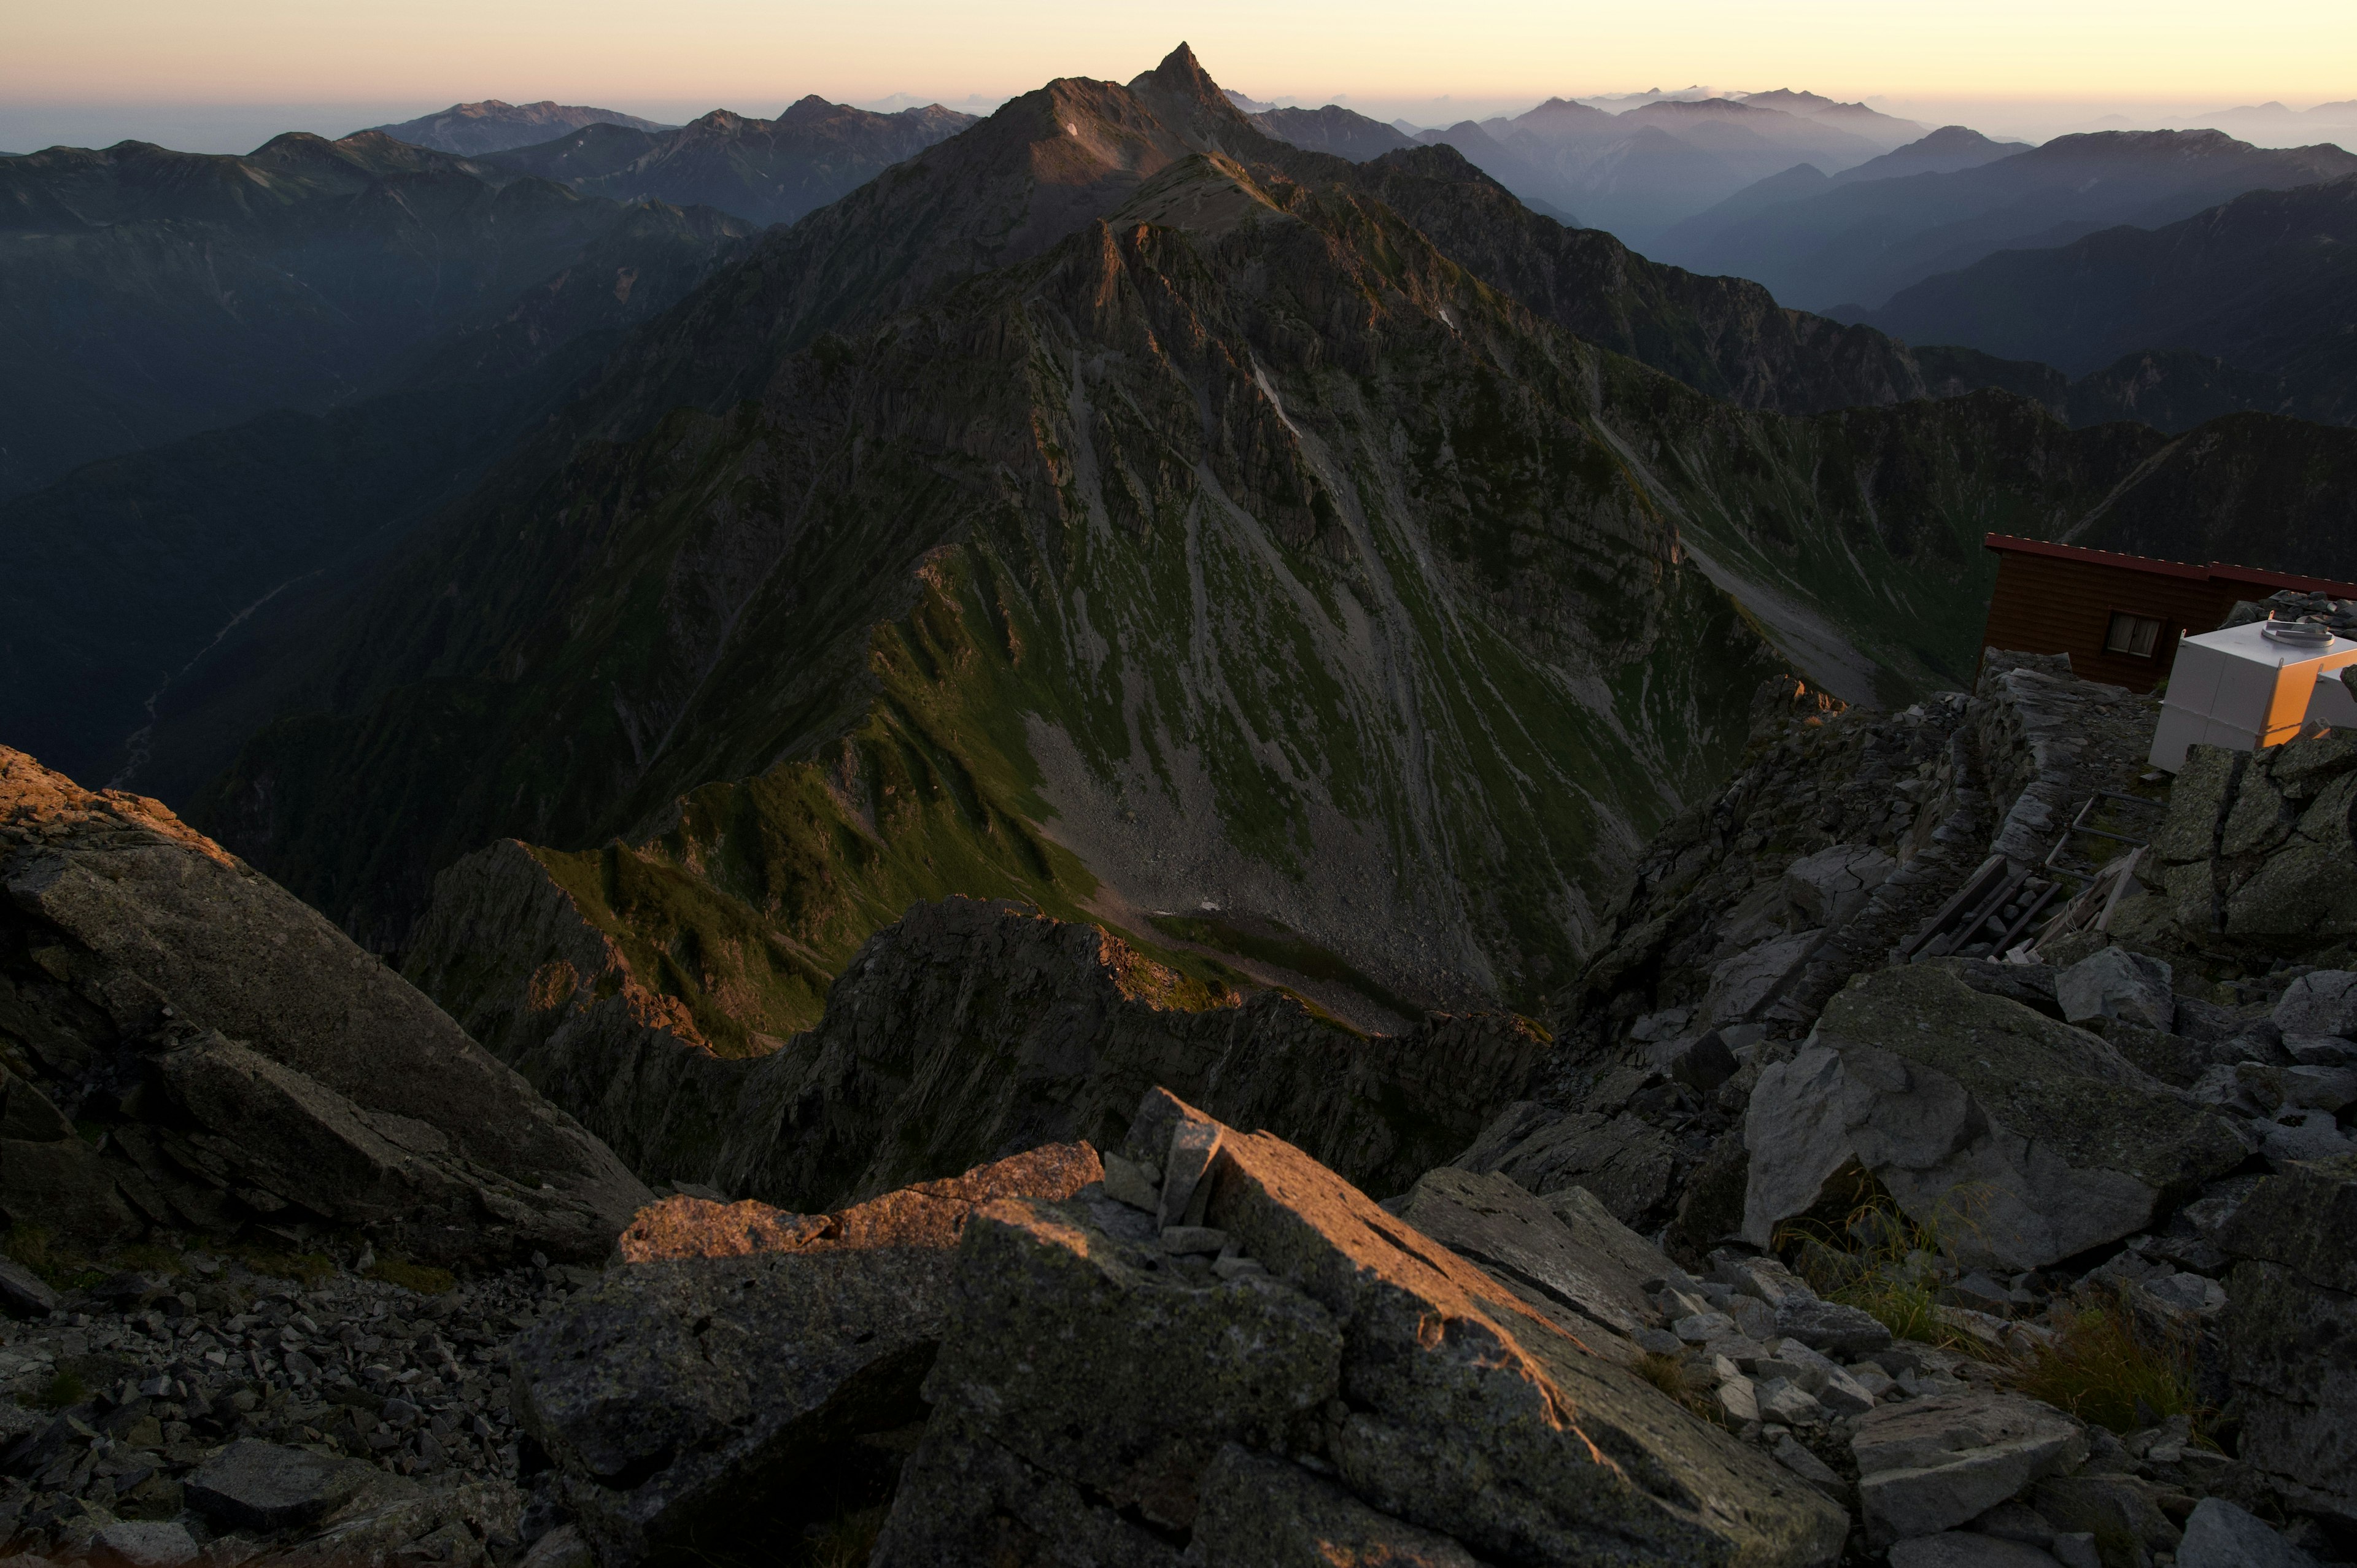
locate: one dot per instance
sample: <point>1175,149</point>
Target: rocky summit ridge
<point>1822,1226</point>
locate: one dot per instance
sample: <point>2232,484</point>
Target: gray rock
<point>1832,1328</point>
<point>1763,1278</point>
<point>1098,1412</point>
<point>1260,1512</point>
<point>1625,1161</point>
<point>2032,984</point>
<point>2028,1141</point>
<point>1832,1385</point>
<point>2076,1549</point>
<point>2220,1535</point>
<point>678,1400</point>
<point>1779,1399</point>
<point>22,1292</point>
<point>564,1547</point>
<point>2304,1135</point>
<point>1597,1270</point>
<point>1743,984</point>
<point>2321,1050</point>
<point>2322,1001</point>
<point>148,1544</point>
<point>158,943</point>
<point>2290,1331</point>
<point>1703,1064</point>
<point>2116,1508</point>
<point>1701,1328</point>
<point>1185,1239</point>
<point>1192,1148</point>
<point>2118,983</point>
<point>1965,1548</point>
<point>1931,1464</point>
<point>1827,888</point>
<point>261,1485</point>
<point>1125,1181</point>
<point>1793,1457</point>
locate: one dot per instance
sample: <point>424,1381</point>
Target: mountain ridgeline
<point>2265,284</point>
<point>767,171</point>
<point>472,130</point>
<point>1115,507</point>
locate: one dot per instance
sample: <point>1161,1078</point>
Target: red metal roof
<point>2217,571</point>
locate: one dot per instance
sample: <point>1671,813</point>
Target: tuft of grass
<point>1879,1260</point>
<point>411,1276</point>
<point>63,1391</point>
<point>1671,1375</point>
<point>849,1541</point>
<point>34,1247</point>
<point>2107,1369</point>
<point>151,1258</point>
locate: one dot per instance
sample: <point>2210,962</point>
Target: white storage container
<point>2246,687</point>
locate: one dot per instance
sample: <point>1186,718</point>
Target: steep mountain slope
<point>148,295</point>
<point>126,572</point>
<point>491,126</point>
<point>1343,132</point>
<point>2265,284</point>
<point>1726,336</point>
<point>1859,245</point>
<point>767,171</point>
<point>1147,521</point>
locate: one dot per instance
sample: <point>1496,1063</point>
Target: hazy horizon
<point>223,77</point>
<point>241,127</point>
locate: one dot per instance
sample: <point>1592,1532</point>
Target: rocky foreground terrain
<point>1944,1160</point>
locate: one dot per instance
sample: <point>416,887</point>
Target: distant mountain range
<point>1857,244</point>
<point>1639,172</point>
<point>2264,286</point>
<point>148,295</point>
<point>491,126</point>
<point>767,171</point>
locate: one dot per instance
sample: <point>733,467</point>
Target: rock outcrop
<point>2291,1331</point>
<point>2021,1140</point>
<point>1221,1353</point>
<point>188,1047</point>
<point>967,1031</point>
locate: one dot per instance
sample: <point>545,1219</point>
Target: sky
<point>223,67</point>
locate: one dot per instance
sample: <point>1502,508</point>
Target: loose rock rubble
<point>210,1412</point>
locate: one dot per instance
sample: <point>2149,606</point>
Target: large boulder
<point>2023,1139</point>
<point>1091,1379</point>
<point>2118,983</point>
<point>1931,1464</point>
<point>2322,1001</point>
<point>1565,1252</point>
<point>1625,1161</point>
<point>707,1394</point>
<point>2290,1330</point>
<point>249,1062</point>
<point>2262,847</point>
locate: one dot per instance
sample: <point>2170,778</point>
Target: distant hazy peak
<point>494,125</point>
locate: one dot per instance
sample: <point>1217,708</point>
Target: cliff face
<point>963,1033</point>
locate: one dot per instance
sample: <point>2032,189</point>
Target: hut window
<point>2133,635</point>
